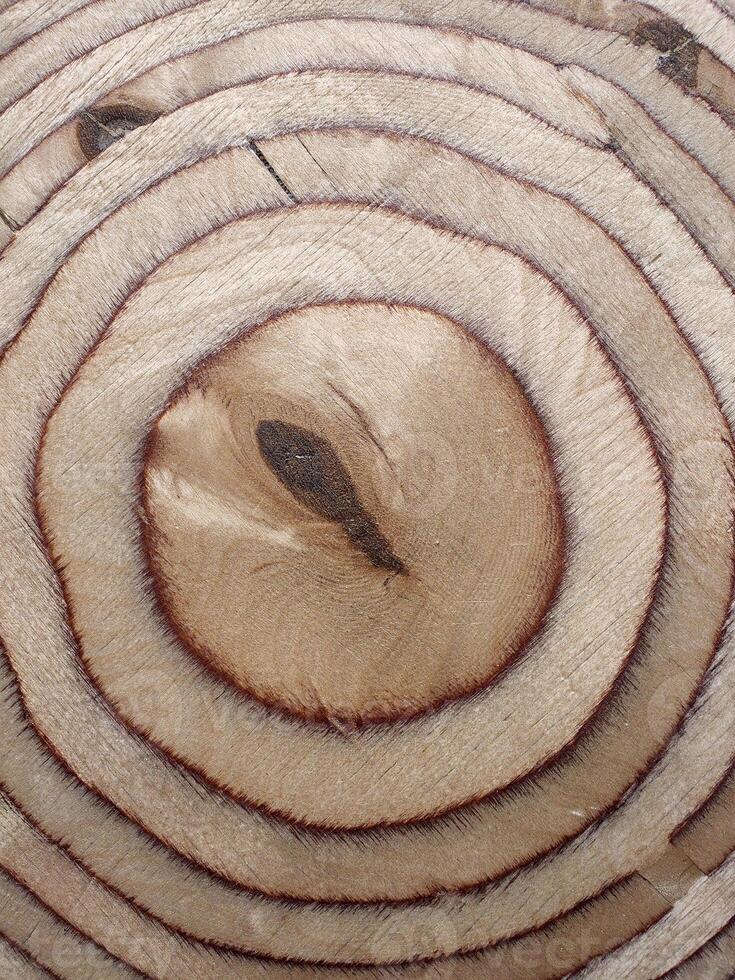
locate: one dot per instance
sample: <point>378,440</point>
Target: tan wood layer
<point>475,269</point>
<point>603,923</point>
<point>410,643</point>
<point>52,945</point>
<point>693,921</point>
<point>714,961</point>
<point>459,268</point>
<point>521,26</point>
<point>15,963</point>
<point>708,838</point>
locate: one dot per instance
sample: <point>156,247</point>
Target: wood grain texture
<point>367,399</point>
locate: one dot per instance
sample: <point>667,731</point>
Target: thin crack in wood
<point>6,219</point>
<point>272,171</point>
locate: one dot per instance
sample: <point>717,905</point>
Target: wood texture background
<point>367,398</point>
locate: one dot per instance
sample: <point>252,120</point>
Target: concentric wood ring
<point>367,471</point>
<point>366,627</point>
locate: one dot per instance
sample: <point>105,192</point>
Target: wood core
<point>308,495</point>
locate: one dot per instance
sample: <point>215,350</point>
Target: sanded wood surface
<point>367,399</point>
